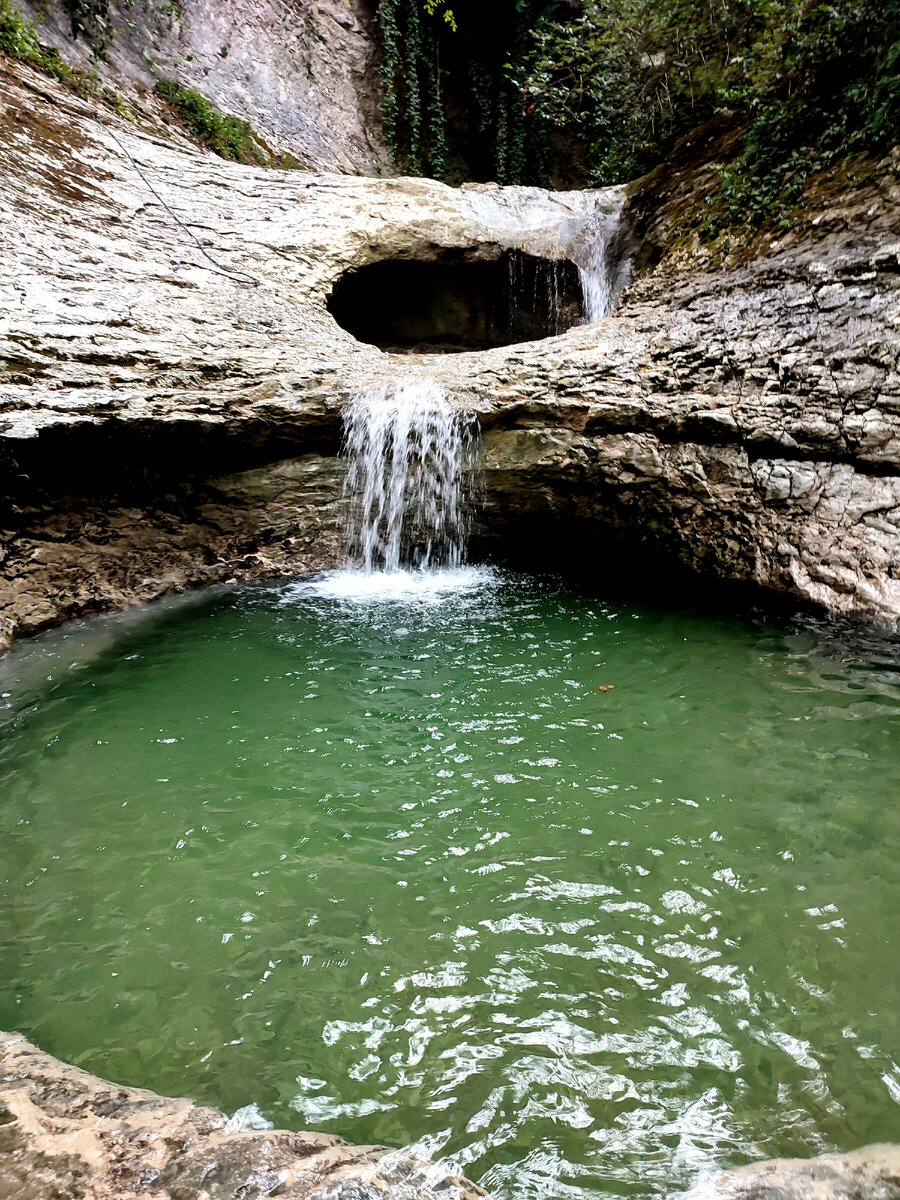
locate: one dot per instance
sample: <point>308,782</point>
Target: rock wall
<point>741,423</point>
<point>305,73</point>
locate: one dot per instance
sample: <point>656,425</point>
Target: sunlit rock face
<point>161,429</point>
<point>65,1132</point>
<point>870,1173</point>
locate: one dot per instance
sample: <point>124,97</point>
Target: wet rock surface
<point>67,1135</point>
<point>870,1173</point>
<point>743,424</point>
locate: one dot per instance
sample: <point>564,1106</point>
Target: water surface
<point>388,862</point>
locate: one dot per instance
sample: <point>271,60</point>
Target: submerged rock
<point>870,1173</point>
<point>65,1133</point>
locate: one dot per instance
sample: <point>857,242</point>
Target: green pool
<point>381,858</point>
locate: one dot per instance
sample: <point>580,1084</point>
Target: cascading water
<point>407,448</point>
<point>601,276</point>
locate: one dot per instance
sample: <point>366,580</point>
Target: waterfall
<point>408,449</point>
<point>596,285</point>
<point>604,273</point>
<point>536,293</point>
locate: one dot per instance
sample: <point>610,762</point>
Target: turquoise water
<point>392,866</point>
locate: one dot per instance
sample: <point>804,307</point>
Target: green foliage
<point>433,6</point>
<point>807,81</point>
<point>90,19</point>
<point>413,110</point>
<point>19,39</point>
<point>229,137</point>
<point>601,91</point>
<point>439,130</point>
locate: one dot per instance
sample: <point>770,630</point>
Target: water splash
<point>408,449</point>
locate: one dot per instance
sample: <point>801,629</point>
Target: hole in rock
<point>457,302</point>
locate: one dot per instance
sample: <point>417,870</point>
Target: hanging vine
<point>452,107</point>
<point>91,20</point>
<point>413,107</point>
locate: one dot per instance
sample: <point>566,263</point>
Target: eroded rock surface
<point>870,1173</point>
<point>67,1135</point>
<point>742,423</point>
<point>304,73</point>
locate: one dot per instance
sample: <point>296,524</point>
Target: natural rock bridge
<point>161,430</point>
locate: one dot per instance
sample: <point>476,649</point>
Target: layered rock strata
<point>164,428</point>
<point>304,73</point>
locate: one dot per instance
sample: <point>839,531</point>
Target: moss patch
<point>229,137</point>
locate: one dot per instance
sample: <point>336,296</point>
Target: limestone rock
<point>65,1133</point>
<point>742,424</point>
<point>304,73</point>
<point>870,1173</point>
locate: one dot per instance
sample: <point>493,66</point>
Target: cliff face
<point>162,429</point>
<point>304,73</point>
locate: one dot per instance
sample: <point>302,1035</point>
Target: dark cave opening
<point>457,303</point>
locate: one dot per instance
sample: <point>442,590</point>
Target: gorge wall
<point>163,429</point>
<point>304,73</point>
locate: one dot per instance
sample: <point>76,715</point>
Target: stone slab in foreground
<point>870,1173</point>
<point>67,1135</point>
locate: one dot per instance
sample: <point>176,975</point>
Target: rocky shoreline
<point>66,1134</point>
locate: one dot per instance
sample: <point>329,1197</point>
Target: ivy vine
<point>413,107</point>
<point>451,107</point>
<point>90,19</point>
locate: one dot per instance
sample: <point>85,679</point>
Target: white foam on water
<point>375,587</point>
<point>247,1118</point>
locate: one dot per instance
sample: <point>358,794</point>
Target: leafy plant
<point>439,130</point>
<point>19,39</point>
<point>601,91</point>
<point>807,81</point>
<point>90,19</point>
<point>229,137</point>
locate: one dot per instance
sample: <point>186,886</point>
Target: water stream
<point>377,854</point>
<point>407,449</point>
<point>603,271</point>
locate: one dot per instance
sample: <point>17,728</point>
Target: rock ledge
<point>68,1135</point>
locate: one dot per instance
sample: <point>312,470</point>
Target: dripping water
<point>536,297</point>
<point>408,451</point>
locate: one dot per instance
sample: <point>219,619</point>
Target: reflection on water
<point>389,863</point>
